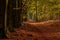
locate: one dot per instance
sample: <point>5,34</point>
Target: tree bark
<point>2,19</point>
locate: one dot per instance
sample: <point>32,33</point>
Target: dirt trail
<point>48,30</point>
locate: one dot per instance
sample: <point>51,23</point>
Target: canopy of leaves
<point>43,9</point>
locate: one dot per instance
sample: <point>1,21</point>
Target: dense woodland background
<point>42,10</point>
<point>37,10</point>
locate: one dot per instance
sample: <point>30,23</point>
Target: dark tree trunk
<point>14,16</point>
<point>2,18</point>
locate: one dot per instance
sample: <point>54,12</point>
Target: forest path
<point>48,30</point>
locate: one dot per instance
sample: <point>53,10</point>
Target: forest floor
<point>47,30</point>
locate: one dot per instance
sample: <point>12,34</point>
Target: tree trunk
<point>2,19</point>
<point>14,15</point>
